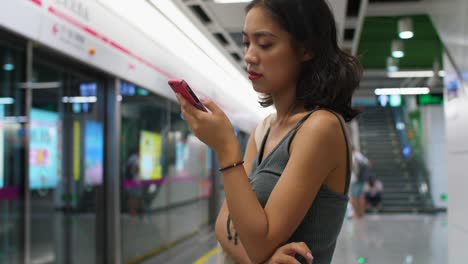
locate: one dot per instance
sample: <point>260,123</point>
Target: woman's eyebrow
<point>260,34</point>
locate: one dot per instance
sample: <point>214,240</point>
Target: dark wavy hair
<point>329,79</point>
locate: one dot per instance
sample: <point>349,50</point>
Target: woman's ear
<point>307,55</point>
<point>304,54</point>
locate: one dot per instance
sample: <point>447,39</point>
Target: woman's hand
<point>214,128</point>
<point>285,254</point>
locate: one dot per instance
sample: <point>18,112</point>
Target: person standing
<point>358,179</point>
<point>294,188</point>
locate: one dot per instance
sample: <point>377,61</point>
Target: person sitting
<point>373,192</point>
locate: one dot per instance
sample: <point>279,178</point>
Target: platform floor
<point>375,239</point>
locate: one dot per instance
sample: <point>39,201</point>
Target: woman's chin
<point>260,89</point>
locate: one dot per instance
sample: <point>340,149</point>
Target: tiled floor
<point>376,239</point>
<point>389,239</point>
<point>53,232</point>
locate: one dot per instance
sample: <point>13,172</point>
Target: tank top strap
<point>303,119</point>
<point>348,163</point>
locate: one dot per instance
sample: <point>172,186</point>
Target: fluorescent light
<point>6,100</point>
<point>79,99</point>
<point>14,119</point>
<point>413,74</point>
<point>406,35</point>
<point>405,28</point>
<point>8,67</point>
<point>392,64</point>
<point>398,54</point>
<point>40,85</point>
<point>188,45</point>
<point>231,1</point>
<point>186,40</point>
<point>397,49</point>
<point>402,91</point>
<point>8,64</point>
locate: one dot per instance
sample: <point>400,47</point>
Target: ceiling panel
<point>420,52</point>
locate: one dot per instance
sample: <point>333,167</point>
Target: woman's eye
<point>246,44</point>
<point>266,46</point>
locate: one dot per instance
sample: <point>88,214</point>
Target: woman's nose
<point>250,57</point>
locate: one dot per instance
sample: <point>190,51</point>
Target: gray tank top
<point>322,223</point>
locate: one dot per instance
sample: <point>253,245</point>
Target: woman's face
<point>272,63</point>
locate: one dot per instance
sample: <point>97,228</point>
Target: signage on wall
<point>76,7</point>
<point>127,89</point>
<point>69,36</point>
<point>87,90</point>
<point>94,153</point>
<point>430,99</point>
<point>130,89</point>
<point>108,30</point>
<point>2,110</point>
<point>150,156</point>
<point>44,152</point>
<point>453,81</point>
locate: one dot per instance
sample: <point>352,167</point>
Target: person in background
<point>358,179</point>
<point>373,190</point>
<point>294,187</point>
<point>135,193</point>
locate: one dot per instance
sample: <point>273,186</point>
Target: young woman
<point>294,187</point>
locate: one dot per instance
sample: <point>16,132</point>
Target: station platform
<point>380,239</point>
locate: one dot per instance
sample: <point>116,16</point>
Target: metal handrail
<point>414,159</point>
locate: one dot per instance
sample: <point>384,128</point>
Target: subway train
<point>96,163</point>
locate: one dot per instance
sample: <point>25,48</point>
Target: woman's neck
<point>286,106</point>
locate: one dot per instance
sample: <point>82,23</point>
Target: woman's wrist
<point>229,155</point>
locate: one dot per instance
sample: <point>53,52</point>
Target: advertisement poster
<point>180,151</point>
<point>150,156</point>
<point>43,154</point>
<point>94,153</point>
<point>2,114</point>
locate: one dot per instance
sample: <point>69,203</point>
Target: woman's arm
<point>314,153</point>
<point>235,251</point>
<point>283,255</point>
<point>312,159</point>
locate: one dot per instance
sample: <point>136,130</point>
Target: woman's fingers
<point>298,248</point>
<point>212,106</point>
<point>286,254</point>
<point>189,112</point>
<point>283,259</point>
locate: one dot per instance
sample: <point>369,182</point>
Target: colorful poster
<point>2,114</point>
<point>76,150</point>
<point>43,153</point>
<point>180,150</point>
<point>94,153</point>
<point>150,156</point>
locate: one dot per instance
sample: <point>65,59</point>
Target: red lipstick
<point>254,76</point>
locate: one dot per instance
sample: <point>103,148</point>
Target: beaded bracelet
<point>232,166</point>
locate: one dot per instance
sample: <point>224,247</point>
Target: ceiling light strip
<point>231,1</point>
<point>413,74</point>
<point>402,91</point>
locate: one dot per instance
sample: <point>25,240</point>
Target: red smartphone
<point>181,87</point>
